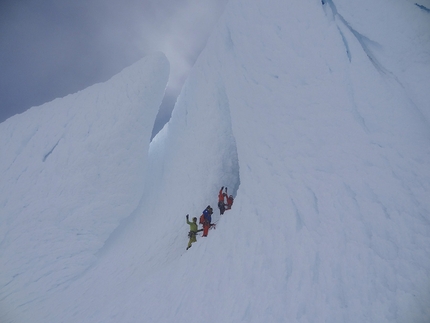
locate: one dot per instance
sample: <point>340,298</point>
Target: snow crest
<point>71,169</point>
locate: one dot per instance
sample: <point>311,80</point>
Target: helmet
<point>194,219</point>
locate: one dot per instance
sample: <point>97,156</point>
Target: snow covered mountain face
<point>70,171</point>
<point>314,114</point>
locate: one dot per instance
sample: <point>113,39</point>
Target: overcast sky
<point>51,48</point>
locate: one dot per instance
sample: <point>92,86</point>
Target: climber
<point>206,219</point>
<point>221,202</point>
<point>193,231</point>
<point>230,200</point>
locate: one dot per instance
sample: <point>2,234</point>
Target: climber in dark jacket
<point>206,220</point>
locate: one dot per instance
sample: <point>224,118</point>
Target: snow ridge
<point>72,168</point>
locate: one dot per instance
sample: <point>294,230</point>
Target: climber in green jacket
<point>193,231</point>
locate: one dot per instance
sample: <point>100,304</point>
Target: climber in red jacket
<point>221,200</point>
<point>230,200</point>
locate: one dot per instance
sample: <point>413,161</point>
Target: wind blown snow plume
<point>317,121</point>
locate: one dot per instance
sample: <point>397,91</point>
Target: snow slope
<point>65,182</point>
<point>314,117</point>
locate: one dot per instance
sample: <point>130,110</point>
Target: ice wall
<point>331,219</point>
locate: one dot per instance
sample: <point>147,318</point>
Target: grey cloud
<point>50,48</point>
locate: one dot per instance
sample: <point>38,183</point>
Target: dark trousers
<point>221,207</point>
